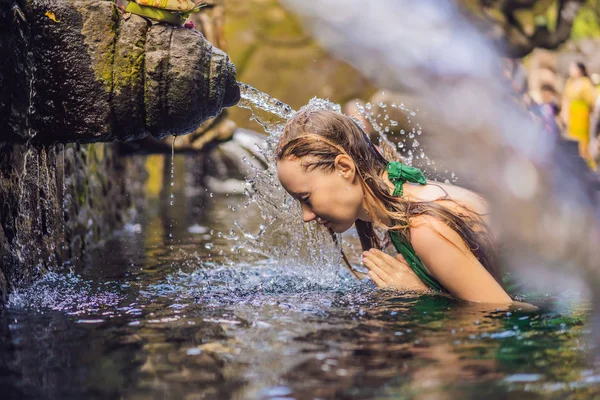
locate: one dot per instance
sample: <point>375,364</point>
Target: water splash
<point>254,284</point>
<point>269,112</point>
<point>282,235</point>
<point>68,293</point>
<point>403,142</point>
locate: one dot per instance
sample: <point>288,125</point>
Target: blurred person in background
<point>549,110</point>
<point>579,98</point>
<point>595,123</point>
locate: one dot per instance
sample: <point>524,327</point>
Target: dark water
<point>167,310</point>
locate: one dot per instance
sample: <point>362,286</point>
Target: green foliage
<point>587,23</point>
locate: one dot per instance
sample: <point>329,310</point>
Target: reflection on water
<point>155,316</point>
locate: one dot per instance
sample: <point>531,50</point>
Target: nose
<point>307,214</point>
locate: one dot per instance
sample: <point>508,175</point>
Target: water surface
<point>166,309</point>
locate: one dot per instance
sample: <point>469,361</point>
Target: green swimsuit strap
<point>398,174</point>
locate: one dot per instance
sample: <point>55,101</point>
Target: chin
<point>340,227</point>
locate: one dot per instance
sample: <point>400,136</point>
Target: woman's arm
<point>588,92</point>
<point>594,122</point>
<point>452,263</point>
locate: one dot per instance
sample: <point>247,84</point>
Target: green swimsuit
<point>399,173</point>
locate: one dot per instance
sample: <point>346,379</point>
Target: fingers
<point>378,281</point>
<point>401,258</point>
<point>387,271</point>
<point>386,262</point>
<point>374,268</point>
<point>387,258</point>
<point>378,261</point>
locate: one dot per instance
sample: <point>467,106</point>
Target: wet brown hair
<point>317,137</point>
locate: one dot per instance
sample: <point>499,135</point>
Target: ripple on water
<point>69,293</point>
<point>253,284</point>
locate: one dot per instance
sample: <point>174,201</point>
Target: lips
<point>323,222</point>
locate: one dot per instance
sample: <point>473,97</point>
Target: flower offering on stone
<point>173,12</point>
<point>185,6</point>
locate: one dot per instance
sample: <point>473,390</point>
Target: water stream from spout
<point>278,209</point>
<point>172,186</point>
<point>282,235</point>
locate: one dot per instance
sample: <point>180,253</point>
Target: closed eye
<point>305,199</point>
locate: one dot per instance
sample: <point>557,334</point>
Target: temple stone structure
<point>75,75</point>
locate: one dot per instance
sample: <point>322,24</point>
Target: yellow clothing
<point>579,97</point>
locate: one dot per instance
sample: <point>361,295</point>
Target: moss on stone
<point>128,64</point>
<point>128,76</point>
<point>100,23</point>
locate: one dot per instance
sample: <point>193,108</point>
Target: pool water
<point>167,309</point>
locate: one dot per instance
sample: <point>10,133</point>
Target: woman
<point>327,162</point>
<point>579,97</point>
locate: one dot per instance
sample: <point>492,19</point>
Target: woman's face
<point>334,199</point>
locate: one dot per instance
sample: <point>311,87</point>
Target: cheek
<point>348,201</point>
<point>355,198</point>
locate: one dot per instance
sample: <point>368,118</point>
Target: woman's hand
<point>389,272</point>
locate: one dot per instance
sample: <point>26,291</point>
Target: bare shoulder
<point>449,259</point>
<point>455,198</point>
<point>427,231</point>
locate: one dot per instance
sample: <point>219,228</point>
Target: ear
<point>345,166</point>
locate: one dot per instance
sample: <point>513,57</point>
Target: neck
<point>379,211</point>
<point>380,215</point>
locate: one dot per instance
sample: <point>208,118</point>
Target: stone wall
<point>84,71</point>
<point>57,201</point>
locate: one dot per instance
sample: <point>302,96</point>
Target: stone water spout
<point>83,71</point>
